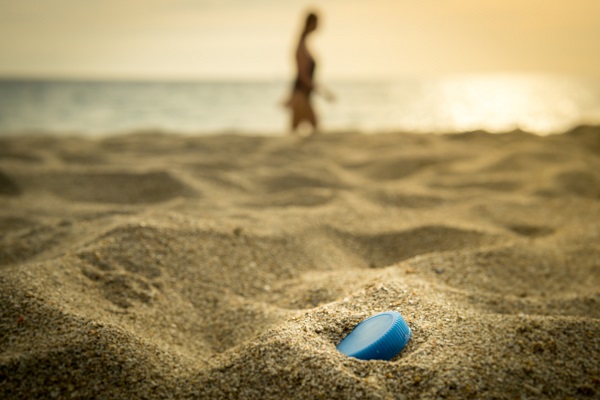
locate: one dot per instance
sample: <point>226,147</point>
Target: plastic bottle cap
<point>379,337</point>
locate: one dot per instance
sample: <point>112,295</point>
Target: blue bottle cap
<point>379,337</point>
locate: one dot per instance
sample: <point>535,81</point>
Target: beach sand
<point>154,265</point>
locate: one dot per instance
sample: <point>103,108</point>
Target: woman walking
<point>304,85</point>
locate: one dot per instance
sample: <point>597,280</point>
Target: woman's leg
<point>302,111</point>
<point>311,117</point>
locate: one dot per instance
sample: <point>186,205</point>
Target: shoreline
<point>8,134</point>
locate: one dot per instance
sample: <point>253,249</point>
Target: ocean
<point>542,104</point>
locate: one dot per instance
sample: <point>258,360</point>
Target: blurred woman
<point>299,102</point>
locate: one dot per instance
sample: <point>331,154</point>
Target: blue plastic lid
<point>379,337</point>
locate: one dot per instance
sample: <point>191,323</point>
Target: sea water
<point>541,104</point>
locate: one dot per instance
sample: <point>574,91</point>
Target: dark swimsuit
<point>299,85</point>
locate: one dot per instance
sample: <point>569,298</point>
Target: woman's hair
<point>311,21</point>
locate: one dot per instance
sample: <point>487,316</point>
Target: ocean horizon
<point>540,104</point>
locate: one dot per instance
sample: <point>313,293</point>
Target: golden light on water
<point>542,104</point>
<point>506,102</point>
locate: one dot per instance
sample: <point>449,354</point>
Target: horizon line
<point>263,79</point>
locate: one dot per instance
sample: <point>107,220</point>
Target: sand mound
<point>158,266</point>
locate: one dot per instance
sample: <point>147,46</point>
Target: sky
<point>254,39</point>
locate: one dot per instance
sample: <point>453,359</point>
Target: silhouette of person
<point>304,84</point>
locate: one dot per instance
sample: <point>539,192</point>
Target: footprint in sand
<point>533,278</point>
<point>298,180</point>
<point>384,249</point>
<point>526,161</point>
<point>8,187</point>
<point>308,197</point>
<point>394,167</point>
<point>579,183</point>
<point>22,239</point>
<point>531,230</point>
<point>123,267</point>
<point>495,185</point>
<point>112,187</point>
<point>405,200</point>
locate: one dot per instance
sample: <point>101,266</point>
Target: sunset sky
<point>183,39</point>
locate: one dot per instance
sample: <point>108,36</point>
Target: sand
<point>155,265</point>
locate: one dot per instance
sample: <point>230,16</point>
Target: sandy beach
<point>157,265</point>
